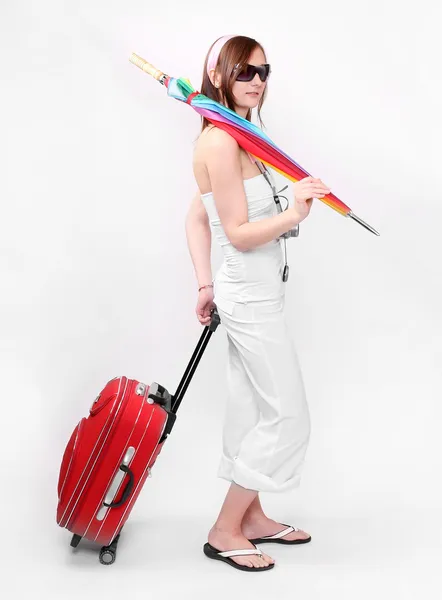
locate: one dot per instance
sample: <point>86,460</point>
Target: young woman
<point>267,423</point>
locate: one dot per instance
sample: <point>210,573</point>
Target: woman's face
<point>247,94</point>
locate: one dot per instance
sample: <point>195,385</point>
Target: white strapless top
<point>255,274</point>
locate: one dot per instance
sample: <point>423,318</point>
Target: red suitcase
<point>112,451</point>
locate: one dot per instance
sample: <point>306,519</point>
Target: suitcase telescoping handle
<point>196,357</point>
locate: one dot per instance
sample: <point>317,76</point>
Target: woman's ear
<point>214,78</point>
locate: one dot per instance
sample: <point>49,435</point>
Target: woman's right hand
<point>205,305</point>
<point>304,191</point>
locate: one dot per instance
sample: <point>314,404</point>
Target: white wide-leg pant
<point>267,422</point>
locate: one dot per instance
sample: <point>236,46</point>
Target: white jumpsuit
<point>267,423</point>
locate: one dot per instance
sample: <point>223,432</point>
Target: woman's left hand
<point>205,305</point>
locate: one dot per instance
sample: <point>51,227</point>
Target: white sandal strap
<point>281,533</point>
<point>241,552</point>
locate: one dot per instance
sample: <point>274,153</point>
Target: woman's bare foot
<point>228,540</point>
<point>257,526</point>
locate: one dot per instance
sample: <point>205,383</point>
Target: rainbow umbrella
<point>249,136</point>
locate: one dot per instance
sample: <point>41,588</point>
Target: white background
<point>97,281</point>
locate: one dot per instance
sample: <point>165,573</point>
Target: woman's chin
<point>248,104</point>
<point>251,102</point>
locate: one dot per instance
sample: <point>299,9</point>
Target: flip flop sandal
<point>276,537</point>
<point>212,552</point>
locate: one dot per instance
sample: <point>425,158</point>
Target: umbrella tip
<point>363,223</point>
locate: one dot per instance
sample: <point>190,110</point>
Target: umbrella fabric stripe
<point>247,134</point>
<point>207,103</point>
<point>220,118</point>
<point>291,168</point>
<point>258,148</point>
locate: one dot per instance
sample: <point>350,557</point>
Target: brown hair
<point>235,51</point>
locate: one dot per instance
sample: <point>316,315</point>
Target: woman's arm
<point>224,167</point>
<point>199,240</point>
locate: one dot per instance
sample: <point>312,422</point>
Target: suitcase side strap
<point>127,490</point>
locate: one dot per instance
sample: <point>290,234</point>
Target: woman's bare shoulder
<point>213,141</point>
<point>214,138</point>
<point>213,144</point>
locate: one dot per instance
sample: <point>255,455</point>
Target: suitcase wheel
<point>75,540</point>
<point>107,557</point>
<point>108,554</point>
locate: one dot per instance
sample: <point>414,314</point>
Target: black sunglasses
<point>249,71</point>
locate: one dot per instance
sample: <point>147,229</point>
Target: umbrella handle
<point>145,66</point>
